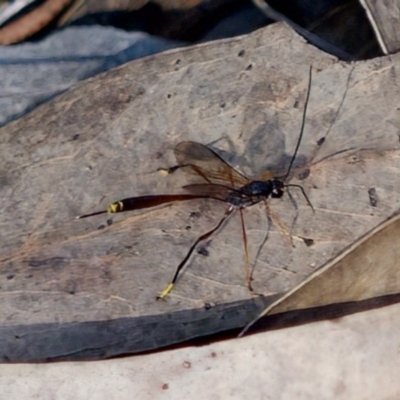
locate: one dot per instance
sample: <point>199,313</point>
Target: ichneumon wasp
<point>220,182</point>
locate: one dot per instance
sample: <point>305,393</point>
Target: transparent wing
<point>211,190</point>
<point>197,159</point>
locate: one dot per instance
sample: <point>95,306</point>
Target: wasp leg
<point>279,224</point>
<point>246,254</point>
<point>205,236</point>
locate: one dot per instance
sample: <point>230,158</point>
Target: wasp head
<point>277,188</point>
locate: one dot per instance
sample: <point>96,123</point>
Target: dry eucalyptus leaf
<point>384,17</point>
<point>367,269</point>
<point>328,25</point>
<point>72,290</point>
<point>32,22</point>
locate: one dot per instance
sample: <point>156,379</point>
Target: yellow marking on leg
<point>166,291</point>
<point>163,171</point>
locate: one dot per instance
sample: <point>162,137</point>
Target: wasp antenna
<point>302,125</point>
<point>304,194</point>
